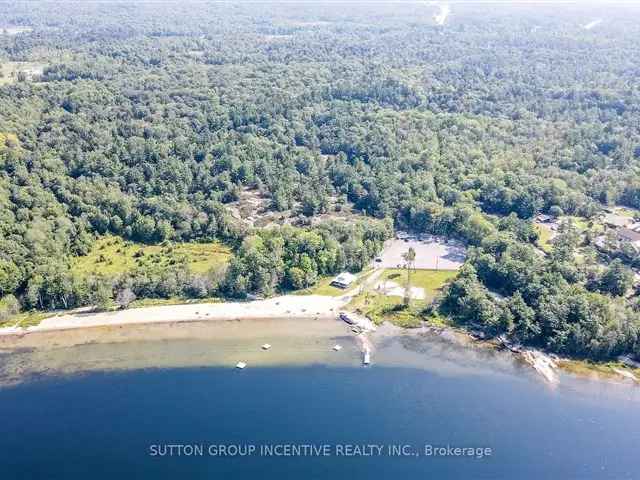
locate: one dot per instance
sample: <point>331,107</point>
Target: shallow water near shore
<point>95,402</point>
<point>174,345</point>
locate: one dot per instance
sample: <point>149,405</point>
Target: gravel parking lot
<point>431,253</point>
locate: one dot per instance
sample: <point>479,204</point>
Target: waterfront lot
<point>432,253</point>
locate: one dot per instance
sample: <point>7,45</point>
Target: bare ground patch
<point>254,209</point>
<point>12,72</point>
<point>432,253</point>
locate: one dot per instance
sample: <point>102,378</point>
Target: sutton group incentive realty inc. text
<point>317,450</point>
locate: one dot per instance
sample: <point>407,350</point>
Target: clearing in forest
<point>323,285</point>
<point>255,209</point>
<point>545,236</point>
<point>425,284</point>
<point>432,252</point>
<point>11,72</point>
<point>15,30</point>
<point>111,256</point>
<point>384,301</point>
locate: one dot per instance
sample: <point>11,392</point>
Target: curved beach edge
<point>285,306</point>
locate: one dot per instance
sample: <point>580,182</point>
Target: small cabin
<point>344,280</point>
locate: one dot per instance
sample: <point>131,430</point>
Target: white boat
<point>241,365</point>
<point>337,348</point>
<point>266,346</point>
<point>367,357</point>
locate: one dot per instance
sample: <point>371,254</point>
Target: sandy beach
<point>286,306</point>
<point>287,315</point>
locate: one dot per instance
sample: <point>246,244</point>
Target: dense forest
<point>150,121</point>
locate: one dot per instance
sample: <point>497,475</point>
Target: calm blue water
<point>100,425</point>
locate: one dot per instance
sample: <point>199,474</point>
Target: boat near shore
<point>357,321</point>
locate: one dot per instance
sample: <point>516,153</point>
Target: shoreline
<point>294,308</point>
<point>285,306</point>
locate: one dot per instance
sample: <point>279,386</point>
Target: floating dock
<point>366,357</point>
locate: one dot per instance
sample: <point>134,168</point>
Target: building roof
<point>345,278</point>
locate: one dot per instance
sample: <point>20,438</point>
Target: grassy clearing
<point>580,223</point>
<point>431,281</point>
<point>323,286</point>
<point>26,319</point>
<point>380,308</point>
<point>112,256</point>
<point>544,237</point>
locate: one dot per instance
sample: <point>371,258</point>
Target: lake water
<point>99,411</point>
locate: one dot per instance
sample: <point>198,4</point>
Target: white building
<point>343,280</point>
